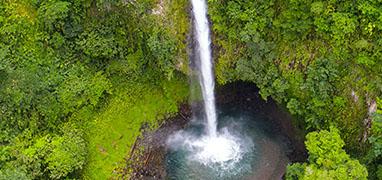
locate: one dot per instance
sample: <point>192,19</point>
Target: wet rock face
<point>372,108</point>
<point>147,158</point>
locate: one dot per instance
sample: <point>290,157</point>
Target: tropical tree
<point>327,159</point>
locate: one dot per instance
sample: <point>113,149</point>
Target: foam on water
<point>223,150</point>
<point>213,147</point>
<point>217,149</point>
<point>246,147</point>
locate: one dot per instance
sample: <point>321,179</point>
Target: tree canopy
<point>327,159</point>
<point>62,61</point>
<point>76,76</point>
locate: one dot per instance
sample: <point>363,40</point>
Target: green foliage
<point>13,174</point>
<point>68,154</point>
<point>310,56</point>
<point>52,14</point>
<point>374,157</point>
<point>164,50</point>
<point>114,130</point>
<point>81,87</point>
<point>52,155</point>
<point>376,130</point>
<point>327,159</point>
<point>177,24</point>
<point>62,61</point>
<point>379,172</point>
<point>98,45</point>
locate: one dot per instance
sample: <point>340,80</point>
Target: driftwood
<point>133,148</point>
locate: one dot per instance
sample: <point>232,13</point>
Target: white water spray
<point>213,148</point>
<point>205,65</point>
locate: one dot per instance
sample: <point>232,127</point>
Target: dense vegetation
<point>79,78</point>
<point>327,159</point>
<point>321,59</point>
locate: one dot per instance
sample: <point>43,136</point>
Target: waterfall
<point>205,66</point>
<point>214,147</point>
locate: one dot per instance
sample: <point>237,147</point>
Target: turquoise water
<point>263,156</point>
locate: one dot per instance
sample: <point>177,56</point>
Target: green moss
<point>113,132</point>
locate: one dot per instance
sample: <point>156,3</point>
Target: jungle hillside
<point>81,79</point>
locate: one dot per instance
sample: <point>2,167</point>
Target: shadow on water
<point>261,126</point>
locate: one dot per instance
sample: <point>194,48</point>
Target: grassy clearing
<point>114,130</point>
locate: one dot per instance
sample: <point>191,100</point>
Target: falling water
<point>216,148</point>
<point>221,153</point>
<point>205,65</point>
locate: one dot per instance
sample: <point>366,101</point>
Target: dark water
<point>265,155</point>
